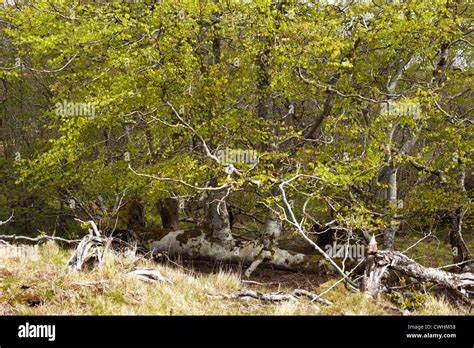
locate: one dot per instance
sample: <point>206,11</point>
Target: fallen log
<point>196,244</point>
<point>378,262</point>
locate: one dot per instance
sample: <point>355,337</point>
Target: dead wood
<point>277,296</point>
<point>378,262</point>
<point>88,249</point>
<point>39,238</point>
<point>149,275</point>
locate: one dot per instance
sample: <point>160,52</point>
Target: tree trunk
<point>269,237</point>
<point>459,248</point>
<point>273,225</point>
<point>136,215</point>
<point>392,197</point>
<point>392,169</point>
<point>131,216</point>
<point>272,232</point>
<point>168,209</point>
<point>219,217</point>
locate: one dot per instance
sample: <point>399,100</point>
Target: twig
<point>8,220</point>
<point>456,264</point>
<point>258,283</point>
<point>415,244</point>
<point>180,182</point>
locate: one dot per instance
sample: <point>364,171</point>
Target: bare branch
<point>7,220</point>
<point>301,230</point>
<point>224,186</point>
<point>39,238</point>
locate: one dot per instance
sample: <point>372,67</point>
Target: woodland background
<point>255,132</point>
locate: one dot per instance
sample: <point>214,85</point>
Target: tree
<point>307,116</point>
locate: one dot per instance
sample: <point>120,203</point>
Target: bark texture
<point>198,245</point>
<point>219,216</point>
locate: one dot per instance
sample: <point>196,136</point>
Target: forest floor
<point>44,286</point>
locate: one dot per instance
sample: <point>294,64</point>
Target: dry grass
<point>439,306</point>
<point>46,287</point>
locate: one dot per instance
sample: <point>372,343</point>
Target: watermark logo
<point>75,109</point>
<point>401,109</point>
<point>37,331</point>
<point>230,156</point>
<point>20,252</point>
<point>345,251</point>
